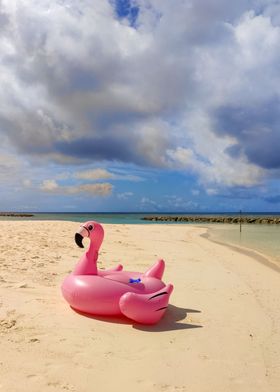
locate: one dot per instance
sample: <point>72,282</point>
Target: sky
<point>139,105</point>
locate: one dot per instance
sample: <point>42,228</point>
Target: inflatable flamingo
<point>142,297</point>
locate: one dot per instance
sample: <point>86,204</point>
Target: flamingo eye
<point>90,227</point>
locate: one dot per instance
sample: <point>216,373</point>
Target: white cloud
<point>146,202</point>
<point>49,186</point>
<point>99,174</point>
<point>99,189</point>
<point>212,191</point>
<point>220,169</point>
<point>208,157</point>
<point>94,174</point>
<point>124,195</point>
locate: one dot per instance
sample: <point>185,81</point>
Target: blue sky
<point>140,105</point>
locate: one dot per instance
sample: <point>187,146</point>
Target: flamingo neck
<point>88,262</point>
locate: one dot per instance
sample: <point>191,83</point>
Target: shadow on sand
<point>169,322</point>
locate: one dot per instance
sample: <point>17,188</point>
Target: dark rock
<point>214,219</point>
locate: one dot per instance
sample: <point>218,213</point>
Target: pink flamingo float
<point>142,297</point>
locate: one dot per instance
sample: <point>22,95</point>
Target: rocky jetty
<point>214,219</point>
<point>16,214</point>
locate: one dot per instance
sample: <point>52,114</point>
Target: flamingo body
<point>142,297</point>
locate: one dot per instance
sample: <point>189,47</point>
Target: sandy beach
<point>220,332</point>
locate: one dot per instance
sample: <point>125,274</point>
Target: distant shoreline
<point>16,215</point>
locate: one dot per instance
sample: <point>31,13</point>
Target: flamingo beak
<point>79,240</point>
<point>79,236</point>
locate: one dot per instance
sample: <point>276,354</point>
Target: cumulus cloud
<point>94,174</point>
<point>90,84</point>
<point>98,189</point>
<point>49,185</point>
<point>216,167</point>
<point>99,174</point>
<point>209,157</point>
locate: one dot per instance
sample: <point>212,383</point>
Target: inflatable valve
<point>134,280</point>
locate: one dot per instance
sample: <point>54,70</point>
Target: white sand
<point>220,333</point>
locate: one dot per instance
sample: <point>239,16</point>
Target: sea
<point>264,238</point>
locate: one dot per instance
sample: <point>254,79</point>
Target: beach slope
<point>220,333</point>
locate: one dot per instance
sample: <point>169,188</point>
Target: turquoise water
<point>263,238</point>
<point>118,218</point>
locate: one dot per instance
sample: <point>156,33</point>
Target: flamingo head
<point>93,230</point>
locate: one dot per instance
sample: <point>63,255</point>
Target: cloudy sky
<point>139,105</point>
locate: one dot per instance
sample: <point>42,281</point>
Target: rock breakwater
<point>214,219</point>
<point>16,215</point>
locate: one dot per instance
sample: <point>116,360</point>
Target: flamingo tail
<point>156,271</point>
